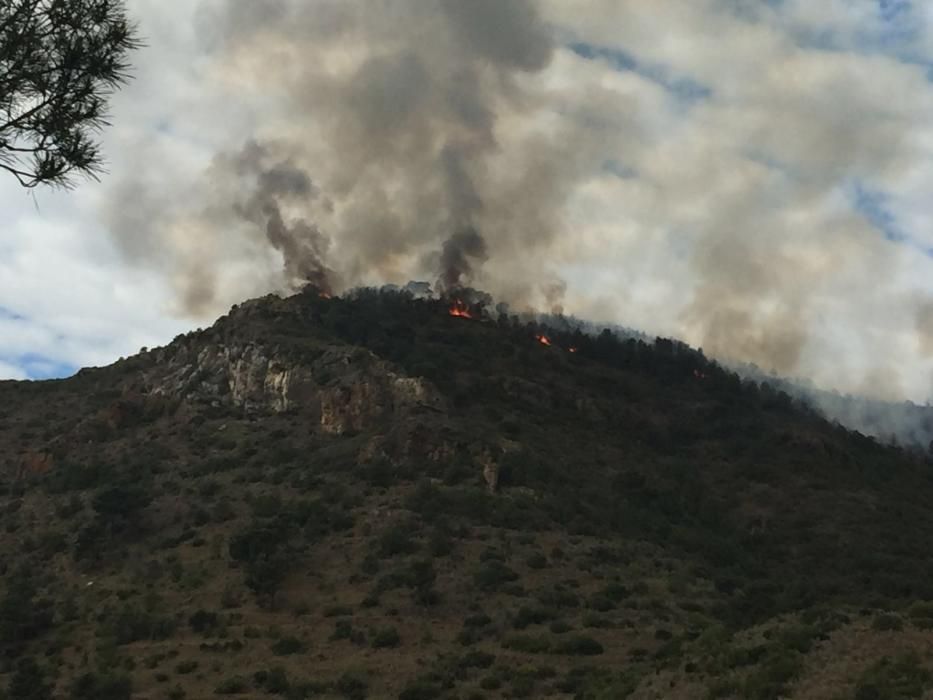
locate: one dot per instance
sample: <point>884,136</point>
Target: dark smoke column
<point>458,256</point>
<point>372,149</point>
<point>302,245</point>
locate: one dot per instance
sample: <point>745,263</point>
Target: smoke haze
<point>699,169</point>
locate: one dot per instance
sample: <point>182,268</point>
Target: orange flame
<point>460,310</point>
<point>543,339</point>
<point>573,349</point>
<point>324,295</point>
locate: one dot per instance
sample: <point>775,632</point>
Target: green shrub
<point>23,616</point>
<point>887,622</point>
<point>133,624</point>
<point>440,544</point>
<point>28,682</point>
<point>536,561</point>
<point>532,616</point>
<point>117,504</point>
<point>616,592</point>
<point>595,682</point>
<point>477,620</point>
<point>232,686</point>
<point>744,656</point>
<point>338,611</point>
<point>470,635</point>
<point>771,679</point>
<point>559,627</point>
<point>186,667</point>
<point>343,629</point>
<point>427,500</point>
<point>594,621</point>
<point>723,688</point>
<point>273,681</point>
<point>523,686</point>
<point>420,577</point>
<point>204,622</point>
<point>579,646</point>
<point>491,683</point>
<point>386,637</point>
<point>421,689</point>
<point>799,638</point>
<point>490,554</point>
<point>477,659</point>
<point>898,678</point>
<point>264,549</point>
<point>370,565</point>
<point>601,603</point>
<point>287,646</point>
<point>558,597</point>
<point>397,539</point>
<point>921,610</point>
<point>92,686</point>
<point>352,685</point>
<point>493,574</point>
<point>527,644</point>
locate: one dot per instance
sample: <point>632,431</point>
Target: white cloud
<point>8,371</point>
<point>66,294</point>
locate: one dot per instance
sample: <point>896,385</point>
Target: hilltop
<point>368,496</point>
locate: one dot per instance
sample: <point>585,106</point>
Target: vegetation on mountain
<point>366,497</point>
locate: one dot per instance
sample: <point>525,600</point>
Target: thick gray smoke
<point>676,165</point>
<point>302,245</point>
<point>460,253</point>
<point>371,157</point>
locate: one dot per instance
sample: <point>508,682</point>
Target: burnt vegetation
<point>580,519</point>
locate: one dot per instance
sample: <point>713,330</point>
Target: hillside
<point>371,497</point>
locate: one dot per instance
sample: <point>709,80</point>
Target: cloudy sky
<point>749,175</point>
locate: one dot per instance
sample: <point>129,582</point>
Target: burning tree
<point>59,62</point>
<point>459,309</point>
<point>466,302</point>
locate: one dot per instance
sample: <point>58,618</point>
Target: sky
<point>751,176</point>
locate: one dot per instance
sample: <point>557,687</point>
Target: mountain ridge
<point>366,495</point>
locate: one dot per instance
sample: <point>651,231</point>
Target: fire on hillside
<point>460,310</point>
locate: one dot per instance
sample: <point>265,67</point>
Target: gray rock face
<point>344,389</point>
<point>361,397</point>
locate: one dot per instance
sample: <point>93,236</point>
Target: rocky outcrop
<point>246,376</point>
<point>427,438</point>
<point>359,398</point>
<point>490,470</point>
<point>344,389</point>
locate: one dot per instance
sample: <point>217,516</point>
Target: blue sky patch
<point>875,207</point>
<point>684,88</point>
<point>619,169</point>
<point>769,161</point>
<point>10,315</point>
<point>39,367</point>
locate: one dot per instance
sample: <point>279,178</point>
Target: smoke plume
<point>302,245</point>
<point>460,253</point>
<point>691,168</point>
<point>371,159</point>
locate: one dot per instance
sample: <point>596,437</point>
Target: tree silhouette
<point>60,60</point>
